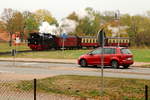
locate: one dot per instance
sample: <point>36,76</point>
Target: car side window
<point>97,51</point>
<point>125,51</point>
<point>109,51</point>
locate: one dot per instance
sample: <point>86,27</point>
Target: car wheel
<point>126,66</point>
<point>83,63</point>
<point>115,64</point>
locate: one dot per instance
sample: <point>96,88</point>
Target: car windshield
<point>125,51</point>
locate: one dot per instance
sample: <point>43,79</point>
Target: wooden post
<point>34,89</point>
<point>146,92</point>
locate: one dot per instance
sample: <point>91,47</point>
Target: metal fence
<point>10,90</point>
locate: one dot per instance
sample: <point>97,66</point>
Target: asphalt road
<point>51,69</point>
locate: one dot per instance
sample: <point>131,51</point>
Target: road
<point>30,70</point>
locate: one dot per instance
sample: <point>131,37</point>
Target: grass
<point>140,55</point>
<point>67,54</point>
<point>4,47</point>
<point>89,87</point>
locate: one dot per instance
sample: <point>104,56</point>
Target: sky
<point>62,8</point>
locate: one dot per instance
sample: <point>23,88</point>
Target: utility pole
<point>117,19</point>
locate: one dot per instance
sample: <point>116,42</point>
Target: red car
<point>113,56</point>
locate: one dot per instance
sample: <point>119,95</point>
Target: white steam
<point>47,28</point>
<point>68,26</point>
<point>65,26</point>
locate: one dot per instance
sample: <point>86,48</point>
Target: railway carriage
<point>115,41</point>
<point>69,43</point>
<point>89,41</point>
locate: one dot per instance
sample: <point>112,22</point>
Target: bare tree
<point>7,17</point>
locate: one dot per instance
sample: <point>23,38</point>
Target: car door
<point>94,57</point>
<point>109,53</point>
<point>126,54</point>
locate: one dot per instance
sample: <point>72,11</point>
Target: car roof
<point>113,47</point>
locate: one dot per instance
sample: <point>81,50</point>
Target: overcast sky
<point>61,8</point>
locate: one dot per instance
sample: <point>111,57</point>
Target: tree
<point>18,23</point>
<point>2,26</point>
<point>7,18</point>
<point>138,29</point>
<point>42,15</point>
<point>107,16</point>
<point>73,16</point>
<point>90,24</point>
<point>30,23</point>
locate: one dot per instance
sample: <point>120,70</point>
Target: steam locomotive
<point>45,41</point>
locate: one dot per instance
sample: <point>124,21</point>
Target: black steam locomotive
<point>44,41</point>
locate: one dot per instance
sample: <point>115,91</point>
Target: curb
<point>61,61</point>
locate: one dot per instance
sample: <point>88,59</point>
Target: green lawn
<point>140,55</point>
<point>4,47</point>
<point>89,86</point>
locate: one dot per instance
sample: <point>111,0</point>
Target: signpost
<point>64,36</point>
<point>13,53</point>
<point>101,39</point>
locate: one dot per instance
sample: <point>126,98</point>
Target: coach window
<point>85,41</point>
<point>94,40</point>
<point>123,41</point>
<point>109,41</point>
<point>90,40</point>
<point>112,41</point>
<point>82,40</point>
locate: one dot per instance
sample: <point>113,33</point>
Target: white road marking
<point>30,63</point>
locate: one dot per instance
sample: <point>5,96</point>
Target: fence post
<point>146,92</point>
<point>34,89</point>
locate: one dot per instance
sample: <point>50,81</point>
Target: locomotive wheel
<point>83,63</point>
